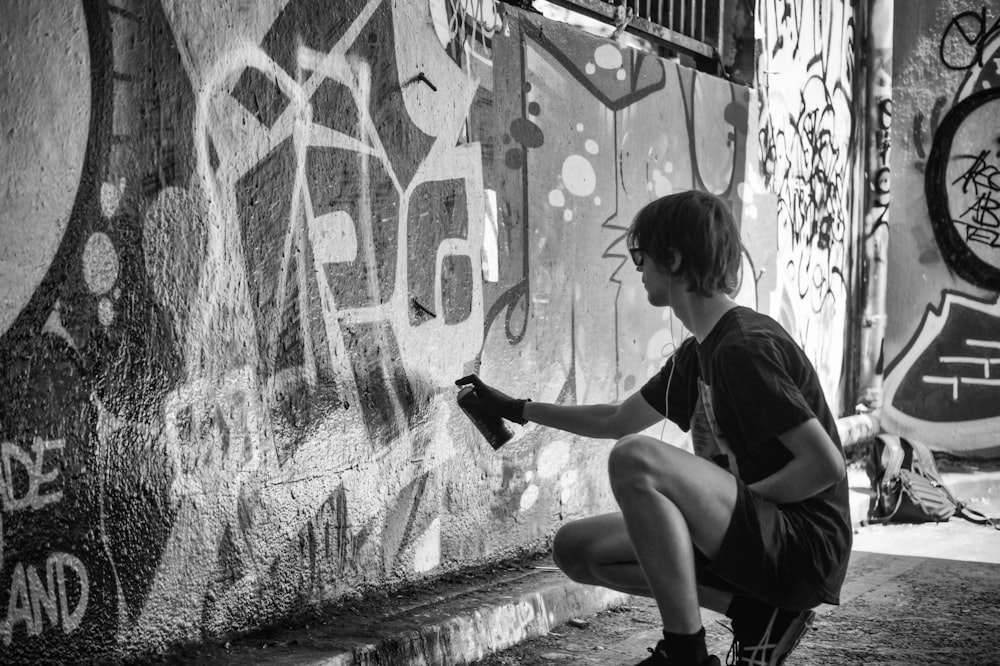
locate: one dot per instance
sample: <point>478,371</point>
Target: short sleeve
<point>754,385</point>
<point>676,374</point>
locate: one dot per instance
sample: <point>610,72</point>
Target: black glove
<point>493,401</point>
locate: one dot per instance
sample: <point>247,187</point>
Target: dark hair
<point>701,229</point>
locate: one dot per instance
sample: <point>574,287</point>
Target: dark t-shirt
<point>747,383</point>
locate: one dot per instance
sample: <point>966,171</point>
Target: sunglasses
<point>638,256</point>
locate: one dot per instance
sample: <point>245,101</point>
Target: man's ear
<point>675,261</point>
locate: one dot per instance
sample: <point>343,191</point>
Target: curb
<point>489,628</point>
<point>440,628</point>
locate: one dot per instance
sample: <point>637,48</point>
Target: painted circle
<point>100,263</point>
<point>962,189</point>
<point>105,312</point>
<point>608,56</point>
<point>44,122</point>
<point>578,175</point>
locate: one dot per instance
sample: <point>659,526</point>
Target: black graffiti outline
<point>978,40</point>
<point>956,252</point>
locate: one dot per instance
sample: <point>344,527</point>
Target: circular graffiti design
<point>962,186</point>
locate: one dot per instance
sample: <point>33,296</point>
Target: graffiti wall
<point>943,338</point>
<point>246,253</point>
<point>807,146</point>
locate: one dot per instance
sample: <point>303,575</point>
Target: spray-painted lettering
<point>19,465</point>
<point>965,38</point>
<point>57,599</point>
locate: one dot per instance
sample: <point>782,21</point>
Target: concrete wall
<point>246,250</point>
<point>943,338</point>
<point>808,121</point>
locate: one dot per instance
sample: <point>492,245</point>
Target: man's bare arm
<point>598,421</point>
<point>817,464</point>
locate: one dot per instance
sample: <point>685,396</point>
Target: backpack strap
<point>885,463</point>
<point>891,455</point>
<point>973,516</point>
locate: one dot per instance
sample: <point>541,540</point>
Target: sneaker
<point>770,647</point>
<point>659,657</point>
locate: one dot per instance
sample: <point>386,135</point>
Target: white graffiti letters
<point>14,457</point>
<point>32,600</point>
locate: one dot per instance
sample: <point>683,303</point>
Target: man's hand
<point>493,401</point>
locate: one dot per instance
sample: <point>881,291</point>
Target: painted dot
<point>591,146</point>
<point>117,293</point>
<point>608,56</point>
<point>597,201</point>
<point>744,192</point>
<point>100,263</point>
<point>526,87</point>
<point>534,108</point>
<point>105,312</point>
<point>579,127</point>
<point>621,74</point>
<point>669,167</point>
<point>529,497</point>
<point>590,69</point>
<point>578,176</point>
<point>111,197</point>
<point>568,215</point>
<point>514,158</point>
<point>661,184</point>
<point>527,133</point>
<point>557,198</point>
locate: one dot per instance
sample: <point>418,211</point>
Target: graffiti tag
<point>13,457</point>
<point>29,596</point>
<point>982,218</point>
<point>24,486</point>
<point>965,38</point>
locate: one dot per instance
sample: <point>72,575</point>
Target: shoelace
<point>752,655</point>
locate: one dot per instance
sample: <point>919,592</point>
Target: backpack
<point>908,487</point>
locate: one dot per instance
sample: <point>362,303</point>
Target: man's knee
<point>632,460</point>
<point>568,552</point>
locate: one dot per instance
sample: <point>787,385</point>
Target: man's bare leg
<point>597,551</point>
<point>671,501</point>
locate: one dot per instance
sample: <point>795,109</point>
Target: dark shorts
<point>759,556</point>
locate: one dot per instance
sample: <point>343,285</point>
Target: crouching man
<point>756,524</point>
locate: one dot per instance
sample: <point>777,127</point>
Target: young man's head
<point>693,236</point>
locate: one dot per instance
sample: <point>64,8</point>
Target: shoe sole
<point>793,634</point>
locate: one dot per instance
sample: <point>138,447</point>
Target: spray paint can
<point>492,427</point>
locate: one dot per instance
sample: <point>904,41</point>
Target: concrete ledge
<point>441,625</point>
<point>495,625</point>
